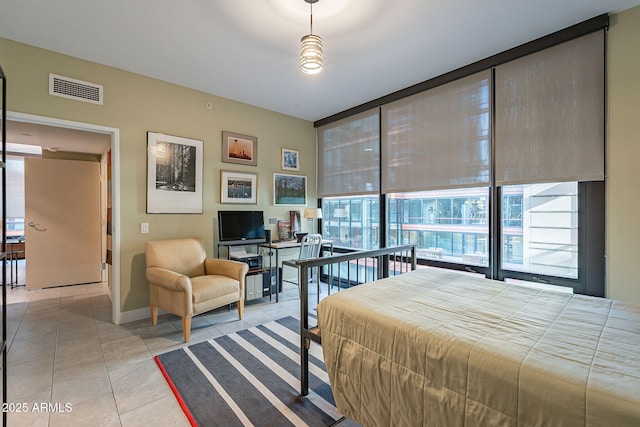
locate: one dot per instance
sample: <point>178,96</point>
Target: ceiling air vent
<point>75,89</point>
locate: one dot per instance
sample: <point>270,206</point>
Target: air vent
<point>67,87</point>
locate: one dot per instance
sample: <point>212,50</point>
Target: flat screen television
<point>241,226</point>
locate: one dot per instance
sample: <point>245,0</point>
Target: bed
<point>442,348</point>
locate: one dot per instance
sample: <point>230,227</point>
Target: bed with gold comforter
<point>441,348</point>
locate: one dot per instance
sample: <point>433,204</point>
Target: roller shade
<point>349,156</point>
<point>438,138</point>
<point>550,114</point>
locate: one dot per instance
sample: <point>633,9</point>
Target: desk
<point>288,244</point>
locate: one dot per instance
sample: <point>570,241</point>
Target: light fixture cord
<point>311,19</point>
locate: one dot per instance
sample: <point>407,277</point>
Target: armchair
<point>183,281</point>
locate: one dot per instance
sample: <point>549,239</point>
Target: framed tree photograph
<point>289,190</point>
<point>238,187</point>
<point>174,174</point>
<point>290,160</point>
<point>239,149</point>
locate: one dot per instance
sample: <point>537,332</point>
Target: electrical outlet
<point>273,220</point>
<point>144,227</point>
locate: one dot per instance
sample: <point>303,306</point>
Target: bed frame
<point>386,262</point>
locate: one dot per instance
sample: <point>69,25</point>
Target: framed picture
<point>238,187</point>
<point>240,149</point>
<point>289,190</point>
<point>290,160</point>
<point>174,174</point>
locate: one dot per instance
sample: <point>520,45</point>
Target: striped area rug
<point>251,377</point>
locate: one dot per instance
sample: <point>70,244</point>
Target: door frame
<point>116,314</point>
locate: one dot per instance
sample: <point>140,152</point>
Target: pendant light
<point>311,48</point>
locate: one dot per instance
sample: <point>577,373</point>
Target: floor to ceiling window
<point>497,170</point>
<point>349,184</point>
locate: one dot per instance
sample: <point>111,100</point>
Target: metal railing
<point>380,262</point>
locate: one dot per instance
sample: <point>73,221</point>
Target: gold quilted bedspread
<point>442,348</point>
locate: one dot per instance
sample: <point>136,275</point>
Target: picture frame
<point>290,160</point>
<point>239,149</point>
<point>289,190</point>
<point>174,174</point>
<point>238,187</point>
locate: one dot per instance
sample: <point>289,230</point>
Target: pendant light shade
<point>311,54</point>
<point>311,48</point>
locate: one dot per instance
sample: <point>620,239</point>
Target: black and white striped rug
<point>251,377</point>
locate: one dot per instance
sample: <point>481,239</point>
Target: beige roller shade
<point>349,156</point>
<point>438,138</point>
<point>550,114</point>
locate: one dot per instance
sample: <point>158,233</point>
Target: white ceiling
<point>247,50</point>
<point>57,138</point>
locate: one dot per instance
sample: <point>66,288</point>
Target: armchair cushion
<point>205,288</point>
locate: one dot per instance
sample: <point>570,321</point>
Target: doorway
<point>114,136</point>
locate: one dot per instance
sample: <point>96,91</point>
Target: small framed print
<point>290,159</point>
<point>289,190</point>
<point>239,149</point>
<point>174,174</point>
<point>238,187</point>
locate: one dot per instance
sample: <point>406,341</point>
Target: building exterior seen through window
<point>447,225</point>
<point>539,225</point>
<point>352,222</point>
<point>540,229</point>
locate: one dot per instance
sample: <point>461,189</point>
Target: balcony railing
<point>377,263</point>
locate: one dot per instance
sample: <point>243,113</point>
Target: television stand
<point>260,280</point>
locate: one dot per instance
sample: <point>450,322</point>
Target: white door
<point>62,222</point>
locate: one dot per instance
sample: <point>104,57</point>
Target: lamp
<point>311,213</point>
<point>311,48</point>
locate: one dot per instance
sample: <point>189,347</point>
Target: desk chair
<point>309,248</point>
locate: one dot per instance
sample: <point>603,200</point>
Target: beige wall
<point>623,205</point>
<point>135,105</point>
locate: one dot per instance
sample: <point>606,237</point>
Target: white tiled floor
<point>63,349</point>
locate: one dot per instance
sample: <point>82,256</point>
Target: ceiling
<point>247,50</point>
<point>57,138</point>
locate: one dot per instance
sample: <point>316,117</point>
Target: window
<point>497,165</point>
<point>447,225</point>
<point>540,229</point>
<point>352,222</point>
<point>15,196</point>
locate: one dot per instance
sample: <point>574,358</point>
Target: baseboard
<point>139,314</point>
